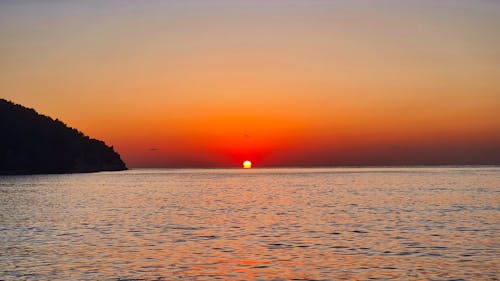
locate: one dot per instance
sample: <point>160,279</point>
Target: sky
<point>281,83</point>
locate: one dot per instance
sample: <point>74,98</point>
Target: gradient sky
<point>282,83</point>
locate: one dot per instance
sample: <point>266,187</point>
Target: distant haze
<point>281,83</point>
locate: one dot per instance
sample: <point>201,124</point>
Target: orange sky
<point>282,83</point>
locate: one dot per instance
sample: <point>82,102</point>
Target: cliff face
<point>31,143</point>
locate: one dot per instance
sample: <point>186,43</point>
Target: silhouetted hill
<point>31,143</point>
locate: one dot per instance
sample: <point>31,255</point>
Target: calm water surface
<point>259,224</point>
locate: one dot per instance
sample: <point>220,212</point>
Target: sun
<point>247,164</point>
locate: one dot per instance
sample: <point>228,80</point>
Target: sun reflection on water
<point>271,224</point>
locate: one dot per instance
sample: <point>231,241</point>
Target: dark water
<point>259,224</point>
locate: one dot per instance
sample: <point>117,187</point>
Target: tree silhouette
<point>31,143</point>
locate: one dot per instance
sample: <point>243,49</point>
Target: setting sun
<point>247,164</point>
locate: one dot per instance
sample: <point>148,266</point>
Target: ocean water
<point>258,224</point>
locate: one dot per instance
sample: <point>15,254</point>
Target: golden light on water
<point>247,164</point>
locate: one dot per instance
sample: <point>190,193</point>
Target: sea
<point>394,223</point>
